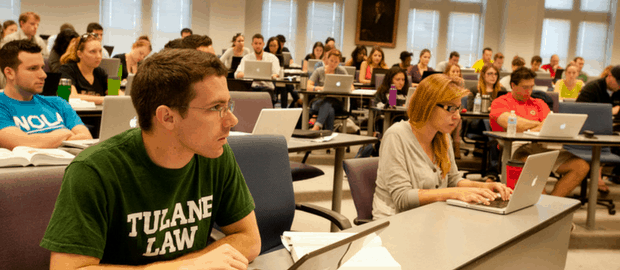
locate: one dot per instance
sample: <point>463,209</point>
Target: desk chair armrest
<point>616,133</point>
<point>336,218</point>
<point>360,221</point>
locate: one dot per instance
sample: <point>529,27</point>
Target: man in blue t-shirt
<point>26,118</point>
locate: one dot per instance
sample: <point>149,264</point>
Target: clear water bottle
<point>393,93</point>
<point>511,131</point>
<point>477,103</point>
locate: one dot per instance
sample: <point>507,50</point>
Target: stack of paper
<point>81,104</point>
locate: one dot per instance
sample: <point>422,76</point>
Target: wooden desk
<point>305,114</point>
<point>440,236</point>
<point>596,143</point>
<point>340,142</point>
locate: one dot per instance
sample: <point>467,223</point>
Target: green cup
<point>64,91</point>
<point>113,87</point>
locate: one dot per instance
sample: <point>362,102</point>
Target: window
<point>554,40</point>
<point>169,17</point>
<point>463,36</point>
<point>423,33</point>
<point>324,20</point>
<point>591,43</point>
<point>9,10</point>
<point>559,4</point>
<point>121,21</point>
<point>280,17</point>
<point>582,28</point>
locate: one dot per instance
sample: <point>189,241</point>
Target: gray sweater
<point>404,168</point>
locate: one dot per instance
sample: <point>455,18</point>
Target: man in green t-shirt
<point>150,196</point>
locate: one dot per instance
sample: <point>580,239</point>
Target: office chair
<point>476,139</point>
<point>361,175</point>
<point>600,122</point>
<point>27,201</point>
<point>247,108</point>
<point>556,101</point>
<point>264,162</point>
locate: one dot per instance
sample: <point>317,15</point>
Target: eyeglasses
<point>84,37</point>
<point>217,108</point>
<point>450,108</point>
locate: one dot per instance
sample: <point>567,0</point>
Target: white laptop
<point>528,189</point>
<point>257,70</point>
<point>111,65</point>
<point>336,83</point>
<point>128,84</point>
<point>561,125</point>
<point>409,95</point>
<point>117,116</point>
<point>275,122</point>
<point>311,64</point>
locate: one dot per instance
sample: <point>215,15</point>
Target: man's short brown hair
<point>168,78</point>
<point>26,15</point>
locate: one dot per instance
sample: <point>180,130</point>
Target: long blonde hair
<point>433,90</point>
<point>77,44</point>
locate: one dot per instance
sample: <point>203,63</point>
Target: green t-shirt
<point>117,205</point>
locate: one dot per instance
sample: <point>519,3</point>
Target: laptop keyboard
<point>497,203</point>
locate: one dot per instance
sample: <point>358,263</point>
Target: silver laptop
<point>118,115</point>
<point>335,255</point>
<point>528,189</point>
<point>128,84</point>
<point>311,64</point>
<point>336,83</point>
<point>257,70</point>
<point>561,125</point>
<point>275,122</point>
<point>350,70</point>
<point>409,95</point>
<point>286,58</point>
<point>111,65</point>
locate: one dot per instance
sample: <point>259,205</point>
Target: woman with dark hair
<point>330,41</point>
<point>405,61</point>
<point>417,70</point>
<point>397,77</point>
<point>416,165</point>
<point>81,65</point>
<point>317,53</point>
<point>358,56</point>
<point>237,49</point>
<point>60,47</point>
<point>273,46</point>
<point>8,27</point>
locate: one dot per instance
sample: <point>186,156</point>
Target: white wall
<point>512,26</point>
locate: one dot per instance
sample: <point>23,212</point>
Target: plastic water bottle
<point>511,131</point>
<point>393,93</point>
<point>477,103</point>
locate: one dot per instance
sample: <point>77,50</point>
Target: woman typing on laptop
<point>416,164</point>
<point>81,65</point>
<point>326,107</point>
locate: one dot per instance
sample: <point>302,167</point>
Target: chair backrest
<point>362,174</point>
<point>46,61</point>
<point>264,162</point>
<point>556,101</point>
<point>247,108</point>
<point>379,80</point>
<point>27,199</point>
<point>464,101</point>
<point>547,82</point>
<point>470,83</point>
<point>357,76</point>
<point>470,76</point>
<point>600,119</point>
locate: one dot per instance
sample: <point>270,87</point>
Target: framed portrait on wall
<point>376,23</point>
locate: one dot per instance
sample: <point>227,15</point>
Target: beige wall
<point>511,27</point>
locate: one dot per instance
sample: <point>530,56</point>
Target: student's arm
<point>80,132</point>
<point>239,72</point>
<point>222,257</point>
<point>98,100</point>
<point>349,62</point>
<point>502,189</point>
<point>362,76</point>
<point>226,57</point>
<point>275,67</point>
<point>522,123</point>
<point>11,137</point>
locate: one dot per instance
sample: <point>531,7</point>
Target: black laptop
<point>429,73</point>
<point>51,84</point>
<point>235,63</point>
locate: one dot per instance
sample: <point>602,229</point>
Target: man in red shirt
<point>553,66</point>
<point>531,113</point>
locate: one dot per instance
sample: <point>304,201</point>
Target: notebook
<point>117,116</point>
<point>311,64</point>
<point>111,65</point>
<point>257,70</point>
<point>335,255</point>
<point>51,84</point>
<point>275,122</point>
<point>528,189</point>
<point>337,83</point>
<point>561,125</point>
<point>128,84</point>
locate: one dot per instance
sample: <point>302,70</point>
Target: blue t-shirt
<point>40,115</point>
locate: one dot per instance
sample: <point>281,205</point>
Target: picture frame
<point>374,29</point>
